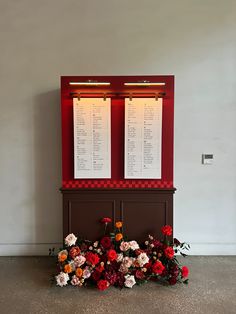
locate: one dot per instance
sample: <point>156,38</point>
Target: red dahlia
<point>166,230</point>
<point>111,255</point>
<point>102,285</point>
<point>169,252</point>
<point>92,258</point>
<point>157,267</point>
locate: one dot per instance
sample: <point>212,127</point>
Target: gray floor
<point>25,288</point>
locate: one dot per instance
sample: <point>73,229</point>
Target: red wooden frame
<point>117,129</point>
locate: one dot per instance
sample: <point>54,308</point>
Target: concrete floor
<point>25,288</point>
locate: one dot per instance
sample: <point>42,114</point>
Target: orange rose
<point>119,236</point>
<point>118,224</point>
<point>67,268</point>
<point>79,272</point>
<point>62,257</point>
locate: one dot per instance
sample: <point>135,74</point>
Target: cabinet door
<point>82,217</point>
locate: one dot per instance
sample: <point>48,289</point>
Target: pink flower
<point>124,246</point>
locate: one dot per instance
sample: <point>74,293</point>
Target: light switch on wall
<point>207,159</point>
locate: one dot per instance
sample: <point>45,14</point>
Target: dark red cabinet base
<point>143,211</point>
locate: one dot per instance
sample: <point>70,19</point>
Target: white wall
<point>42,40</point>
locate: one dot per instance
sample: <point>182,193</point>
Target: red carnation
<point>92,258</point>
<point>111,255</point>
<point>102,285</point>
<point>166,230</point>
<point>106,220</point>
<point>106,242</point>
<point>158,268</point>
<point>185,271</point>
<point>139,274</point>
<point>169,252</point>
<point>74,251</point>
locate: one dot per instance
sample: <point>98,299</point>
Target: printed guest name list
<point>92,138</point>
<point>143,138</point>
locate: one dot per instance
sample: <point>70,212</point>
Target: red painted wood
<point>117,130</point>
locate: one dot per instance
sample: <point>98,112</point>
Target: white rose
<point>119,257</point>
<point>70,239</point>
<point>142,259</point>
<point>95,244</point>
<point>129,281</point>
<point>62,279</point>
<point>124,246</point>
<point>133,245</point>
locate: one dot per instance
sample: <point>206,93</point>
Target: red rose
<point>74,251</point>
<point>102,285</point>
<point>169,252</point>
<point>139,274</point>
<point>100,268</point>
<point>166,230</point>
<point>111,255</point>
<point>158,268</point>
<point>96,275</point>
<point>106,220</point>
<point>106,242</point>
<point>185,271</point>
<point>92,258</point>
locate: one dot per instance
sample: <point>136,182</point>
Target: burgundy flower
<point>96,275</point>
<point>172,280</point>
<point>120,279</point>
<point>111,277</point>
<point>139,274</point>
<point>106,242</point>
<point>156,243</point>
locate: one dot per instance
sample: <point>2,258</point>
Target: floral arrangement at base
<point>115,261</point>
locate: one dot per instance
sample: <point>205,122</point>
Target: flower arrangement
<point>114,261</point>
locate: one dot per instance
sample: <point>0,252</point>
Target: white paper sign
<point>143,138</point>
<point>92,138</point>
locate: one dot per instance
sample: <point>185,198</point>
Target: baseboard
<point>28,249</point>
<point>212,249</point>
<point>42,249</point>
